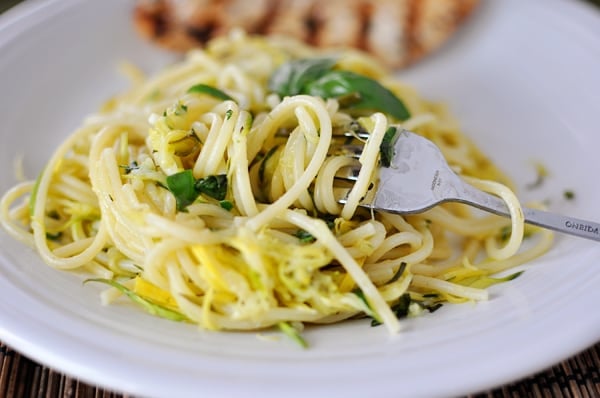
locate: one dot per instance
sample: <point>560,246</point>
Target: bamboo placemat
<point>576,377</point>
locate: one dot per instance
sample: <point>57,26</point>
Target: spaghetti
<point>207,193</point>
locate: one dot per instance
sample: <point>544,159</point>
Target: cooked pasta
<point>208,193</point>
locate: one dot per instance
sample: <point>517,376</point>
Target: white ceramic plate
<point>522,78</point>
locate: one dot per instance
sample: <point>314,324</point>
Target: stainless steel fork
<point>419,178</point>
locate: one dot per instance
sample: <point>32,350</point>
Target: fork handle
<point>541,218</point>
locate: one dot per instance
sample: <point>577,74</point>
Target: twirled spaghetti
<point>207,196</point>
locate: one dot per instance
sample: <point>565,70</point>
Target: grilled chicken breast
<point>398,32</point>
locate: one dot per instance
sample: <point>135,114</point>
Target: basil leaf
<point>213,186</point>
<point>291,77</point>
<point>386,148</point>
<point>182,185</point>
<point>209,90</point>
<point>186,188</point>
<point>148,305</point>
<point>358,92</point>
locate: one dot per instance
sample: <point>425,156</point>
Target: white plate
<point>522,78</point>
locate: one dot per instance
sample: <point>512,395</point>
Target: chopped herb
<point>148,305</point>
<point>129,168</point>
<point>228,114</point>
<point>292,333</point>
<point>180,109</point>
<point>209,90</point>
<point>369,310</point>
<point>400,309</point>
<point>398,273</point>
<point>434,307</point>
<point>263,163</point>
<point>227,205</point>
<point>186,188</point>
<point>386,149</point>
<point>304,236</point>
<point>505,233</point>
<point>213,186</point>
<point>51,236</point>
<point>182,185</point>
<point>569,195</point>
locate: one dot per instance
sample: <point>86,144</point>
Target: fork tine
<point>362,135</point>
<point>353,151</point>
<point>348,173</point>
<point>337,133</point>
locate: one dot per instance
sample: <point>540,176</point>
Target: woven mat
<point>576,377</point>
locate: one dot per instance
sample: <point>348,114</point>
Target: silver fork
<point>419,178</point>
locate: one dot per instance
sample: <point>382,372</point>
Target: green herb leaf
<point>209,90</point>
<point>186,188</point>
<point>433,307</point>
<point>51,236</point>
<point>358,92</point>
<point>182,185</point>
<point>227,205</point>
<point>569,195</point>
<point>398,273</point>
<point>369,311</point>
<point>304,236</point>
<point>292,333</point>
<point>213,186</point>
<point>386,149</point>
<point>505,233</point>
<point>292,77</point>
<point>129,168</point>
<point>401,309</point>
<point>316,77</point>
<point>148,305</point>
<point>263,163</point>
<point>180,109</point>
